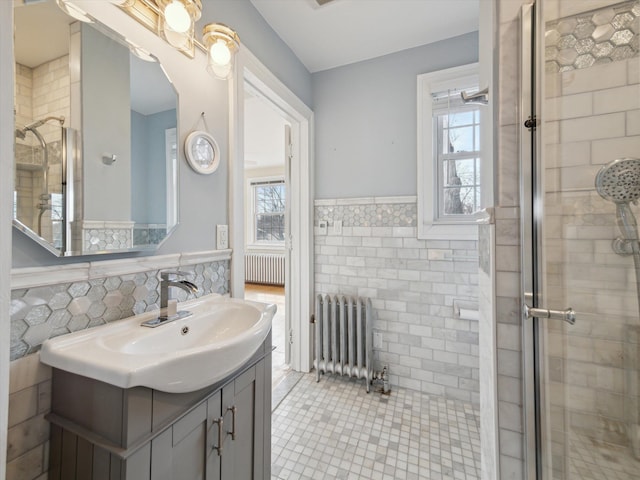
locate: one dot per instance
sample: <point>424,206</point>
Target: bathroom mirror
<point>95,137</point>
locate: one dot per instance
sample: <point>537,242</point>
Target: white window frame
<point>251,224</point>
<point>430,224</point>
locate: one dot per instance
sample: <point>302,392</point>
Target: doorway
<point>581,180</point>
<point>253,75</point>
<point>267,218</point>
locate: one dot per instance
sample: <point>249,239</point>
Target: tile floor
<point>272,294</point>
<point>335,430</point>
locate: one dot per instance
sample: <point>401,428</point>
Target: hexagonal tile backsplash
<point>44,312</point>
<point>595,37</point>
<point>369,215</point>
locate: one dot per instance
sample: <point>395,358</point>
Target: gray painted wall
<point>256,34</point>
<point>106,122</point>
<point>148,166</point>
<point>202,198</point>
<point>365,119</point>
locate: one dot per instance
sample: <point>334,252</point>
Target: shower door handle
<point>568,315</point>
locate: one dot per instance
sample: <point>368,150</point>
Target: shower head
<point>619,181</point>
<point>39,123</point>
<point>21,133</point>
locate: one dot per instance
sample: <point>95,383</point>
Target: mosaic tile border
<point>599,36</point>
<point>369,212</point>
<point>42,312</point>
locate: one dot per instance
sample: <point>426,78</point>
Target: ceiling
<point>347,31</point>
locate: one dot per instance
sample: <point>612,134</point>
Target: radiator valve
<point>382,379</point>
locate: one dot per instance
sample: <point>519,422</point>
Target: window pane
<point>459,172</point>
<point>461,118</point>
<point>460,139</point>
<point>460,200</point>
<point>270,198</point>
<point>270,228</point>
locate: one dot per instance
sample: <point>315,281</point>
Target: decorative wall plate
<point>202,152</point>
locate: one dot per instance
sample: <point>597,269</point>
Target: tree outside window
<point>458,147</point>
<point>269,210</point>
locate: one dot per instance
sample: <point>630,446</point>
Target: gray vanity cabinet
<point>223,438</point>
<point>101,432</point>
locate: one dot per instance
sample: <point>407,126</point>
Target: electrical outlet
<point>377,340</point>
<point>222,237</point>
<point>322,227</point>
<point>337,227</point>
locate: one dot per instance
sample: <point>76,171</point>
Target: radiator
<point>264,268</point>
<point>343,337</point>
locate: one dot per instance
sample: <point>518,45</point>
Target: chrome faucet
<point>166,282</point>
<point>168,311</point>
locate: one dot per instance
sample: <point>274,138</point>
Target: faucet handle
<point>167,274</point>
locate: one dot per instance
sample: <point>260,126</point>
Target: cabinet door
<point>179,453</point>
<point>243,401</point>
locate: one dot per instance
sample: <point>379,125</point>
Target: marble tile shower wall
<point>413,285</point>
<point>594,119</point>
<point>43,312</point>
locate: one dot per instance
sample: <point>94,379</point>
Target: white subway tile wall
<point>28,434</point>
<point>413,285</point>
<point>595,366</point>
<point>40,92</point>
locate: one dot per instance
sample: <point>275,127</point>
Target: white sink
<point>181,356</point>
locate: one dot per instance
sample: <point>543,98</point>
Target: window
<point>269,200</point>
<point>457,133</point>
<point>449,183</point>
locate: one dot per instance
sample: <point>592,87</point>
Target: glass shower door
<point>588,170</point>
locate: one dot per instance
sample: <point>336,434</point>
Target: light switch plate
<point>222,237</point>
<point>322,227</point>
<point>337,227</point>
<point>377,340</point>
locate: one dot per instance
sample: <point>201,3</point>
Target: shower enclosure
<point>580,184</point>
<point>40,179</point>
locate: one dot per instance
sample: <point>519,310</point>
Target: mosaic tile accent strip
<point>599,36</point>
<point>334,430</point>
<point>148,234</point>
<point>369,215</point>
<point>100,239</point>
<point>40,313</point>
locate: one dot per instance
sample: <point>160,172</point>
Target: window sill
<point>271,248</point>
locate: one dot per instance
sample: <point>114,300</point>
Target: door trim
<point>249,69</point>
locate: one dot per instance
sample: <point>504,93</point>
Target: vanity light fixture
<point>177,20</point>
<point>222,43</point>
<point>174,20</point>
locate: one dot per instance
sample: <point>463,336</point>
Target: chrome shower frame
<point>69,150</point>
<point>531,224</point>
